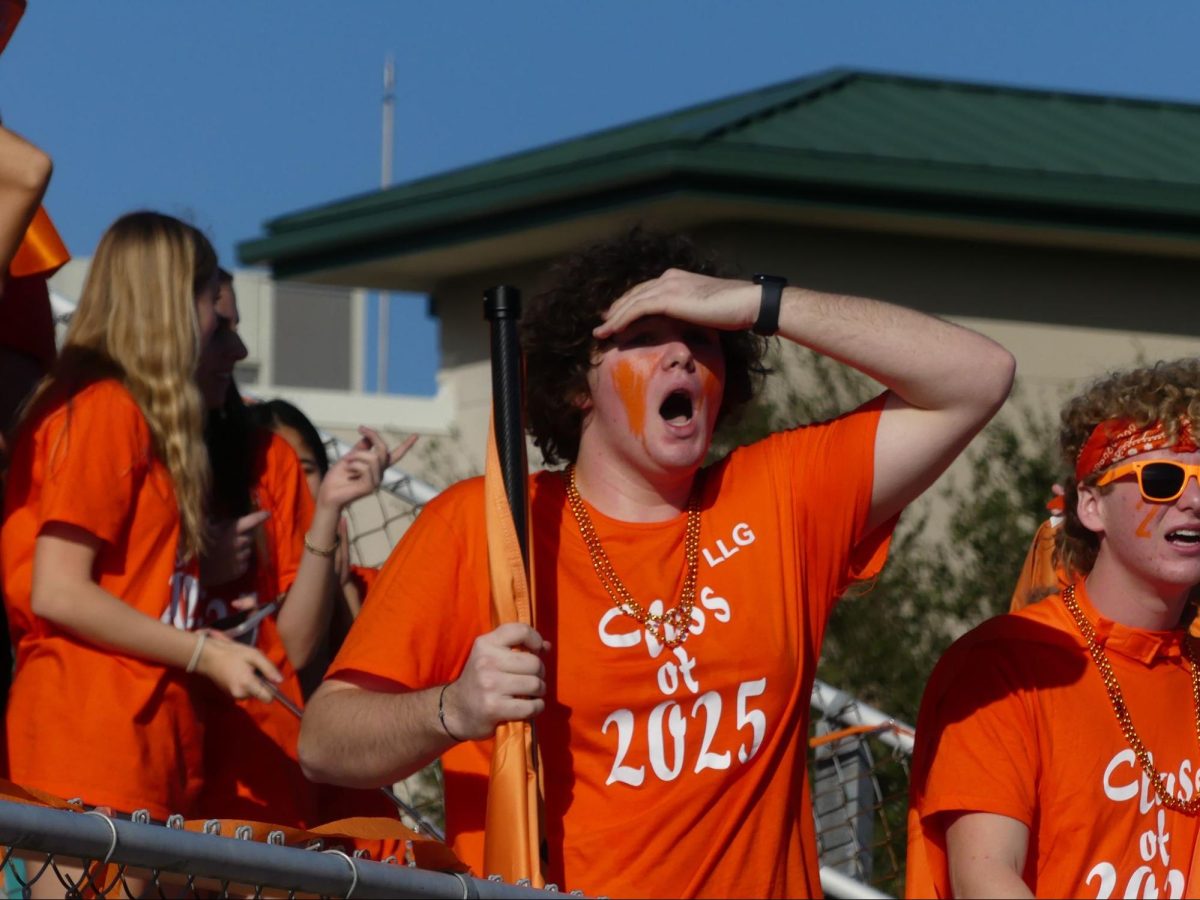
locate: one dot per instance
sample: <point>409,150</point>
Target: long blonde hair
<point>136,322</point>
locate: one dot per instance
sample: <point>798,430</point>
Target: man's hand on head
<point>720,303</point>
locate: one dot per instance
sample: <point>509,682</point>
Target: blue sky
<point>230,113</point>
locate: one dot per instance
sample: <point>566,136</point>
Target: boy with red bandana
<point>680,608</point>
<point>1058,750</point>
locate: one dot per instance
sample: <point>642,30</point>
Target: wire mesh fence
<point>859,767</point>
<point>377,522</point>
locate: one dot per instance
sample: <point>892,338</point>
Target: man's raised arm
<point>946,381</point>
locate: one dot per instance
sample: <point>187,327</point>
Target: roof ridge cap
<point>823,83</point>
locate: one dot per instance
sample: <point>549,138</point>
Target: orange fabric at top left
<point>42,251</point>
<point>84,721</point>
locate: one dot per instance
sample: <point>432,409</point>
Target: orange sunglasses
<point>1159,480</point>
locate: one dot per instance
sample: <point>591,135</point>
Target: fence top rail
<point>92,836</point>
<point>838,705</point>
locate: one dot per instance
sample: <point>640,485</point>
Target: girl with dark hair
<point>268,581</point>
<point>354,581</point>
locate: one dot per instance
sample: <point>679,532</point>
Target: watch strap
<point>767,322</point>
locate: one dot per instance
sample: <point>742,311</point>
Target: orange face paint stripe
<point>1141,529</point>
<point>630,384</point>
<point>710,386</point>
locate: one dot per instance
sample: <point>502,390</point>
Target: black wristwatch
<point>767,323</point>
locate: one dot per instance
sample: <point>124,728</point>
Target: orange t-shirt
<point>251,770</point>
<point>668,772</point>
<point>84,721</point>
<point>364,578</point>
<point>1016,721</point>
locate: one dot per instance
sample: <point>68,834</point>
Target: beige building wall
<point>1067,314</point>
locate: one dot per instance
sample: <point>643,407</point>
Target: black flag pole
<point>502,308</point>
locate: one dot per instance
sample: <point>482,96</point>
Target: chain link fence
<point>72,852</point>
<point>859,770</point>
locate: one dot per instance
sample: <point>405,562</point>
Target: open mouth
<point>1184,536</point>
<point>677,408</point>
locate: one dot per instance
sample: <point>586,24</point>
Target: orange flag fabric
<point>1040,574</point>
<point>512,829</point>
<point>41,252</point>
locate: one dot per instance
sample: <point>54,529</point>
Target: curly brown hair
<point>556,332</point>
<point>1165,392</point>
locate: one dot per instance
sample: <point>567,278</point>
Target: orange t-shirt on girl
<point>84,721</point>
<point>251,770</point>
<point>251,766</point>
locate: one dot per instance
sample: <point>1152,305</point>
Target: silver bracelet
<point>191,666</point>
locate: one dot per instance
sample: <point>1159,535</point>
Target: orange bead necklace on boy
<point>679,618</point>
<point>1108,676</point>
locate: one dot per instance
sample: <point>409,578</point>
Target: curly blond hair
<point>1164,392</point>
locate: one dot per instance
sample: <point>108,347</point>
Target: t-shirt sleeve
<point>413,631</point>
<point>97,452</point>
<point>827,472</point>
<point>285,494</point>
<point>979,737</point>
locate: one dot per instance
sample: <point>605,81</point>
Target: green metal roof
<point>874,143</point>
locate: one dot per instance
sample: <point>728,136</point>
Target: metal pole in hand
<point>502,308</point>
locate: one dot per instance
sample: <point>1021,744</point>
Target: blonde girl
<point>103,525</point>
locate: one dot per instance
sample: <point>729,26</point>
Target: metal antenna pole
<point>389,108</point>
<point>382,298</point>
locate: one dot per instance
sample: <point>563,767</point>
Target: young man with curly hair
<point>680,607</point>
<point>1057,747</point>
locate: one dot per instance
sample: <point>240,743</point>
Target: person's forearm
<point>305,615</point>
<point>359,738</point>
<point>928,362</point>
<point>24,173</point>
<point>88,611</point>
